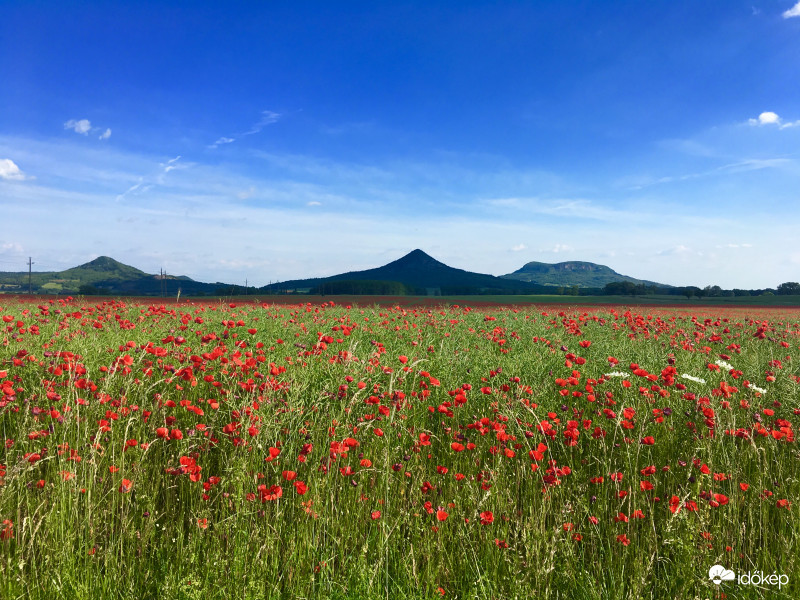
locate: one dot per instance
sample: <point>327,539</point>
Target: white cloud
<point>567,208</point>
<point>222,140</point>
<point>246,194</point>
<point>171,164</point>
<point>83,126</point>
<point>13,247</point>
<point>792,12</point>
<point>732,245</point>
<point>766,118</point>
<point>268,117</point>
<point>314,203</point>
<point>561,248</point>
<point>519,248</point>
<point>679,250</point>
<point>771,118</point>
<point>10,171</point>
<point>135,190</point>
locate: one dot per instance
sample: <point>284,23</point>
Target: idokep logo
<point>717,574</point>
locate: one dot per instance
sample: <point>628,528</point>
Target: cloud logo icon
<point>718,574</point>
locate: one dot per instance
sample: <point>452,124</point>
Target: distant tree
<point>88,289</point>
<point>738,292</point>
<point>789,288</point>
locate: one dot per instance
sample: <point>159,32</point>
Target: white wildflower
<point>617,374</point>
<point>724,365</point>
<point>755,388</point>
<point>693,378</point>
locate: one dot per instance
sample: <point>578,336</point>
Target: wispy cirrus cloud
<point>740,166</point>
<point>569,208</point>
<point>268,117</point>
<point>733,246</point>
<point>221,141</point>
<point>146,183</point>
<point>11,172</point>
<point>171,164</point>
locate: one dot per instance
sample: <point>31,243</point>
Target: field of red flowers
<point>192,450</point>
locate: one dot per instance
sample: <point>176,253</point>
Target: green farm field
<point>320,449</point>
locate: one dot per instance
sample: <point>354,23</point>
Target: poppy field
<point>247,450</point>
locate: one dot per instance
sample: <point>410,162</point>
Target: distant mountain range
<point>575,272</point>
<point>414,273</point>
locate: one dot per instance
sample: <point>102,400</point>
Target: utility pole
<point>245,286</point>
<point>30,291</point>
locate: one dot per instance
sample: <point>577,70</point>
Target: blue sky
<point>269,141</point>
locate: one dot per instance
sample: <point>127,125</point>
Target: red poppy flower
<point>375,514</point>
<point>126,486</point>
<point>441,515</point>
<point>7,532</point>
<point>538,454</point>
<point>272,493</point>
<point>623,539</point>
<point>301,487</point>
<point>675,505</point>
<point>487,517</point>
